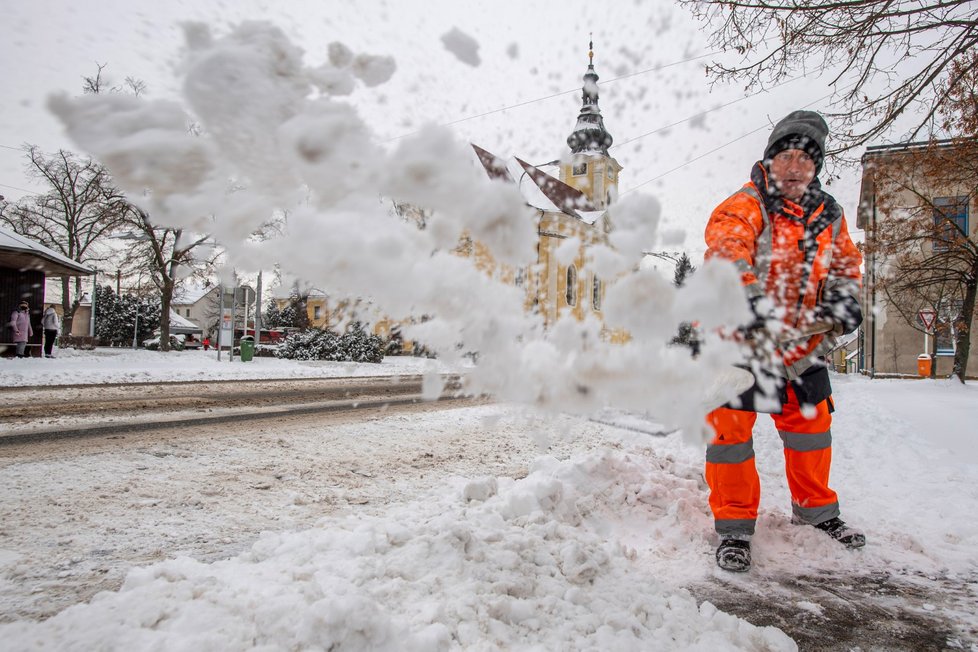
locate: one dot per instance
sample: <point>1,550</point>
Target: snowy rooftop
<point>539,189</point>
<point>19,252</point>
<point>191,294</point>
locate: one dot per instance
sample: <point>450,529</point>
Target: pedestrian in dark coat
<point>52,325</point>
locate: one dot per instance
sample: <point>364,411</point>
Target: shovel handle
<point>815,328</point>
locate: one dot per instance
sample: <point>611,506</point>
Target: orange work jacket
<point>788,257</point>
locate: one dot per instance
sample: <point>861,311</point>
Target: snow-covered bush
<point>356,345</point>
<point>360,346</point>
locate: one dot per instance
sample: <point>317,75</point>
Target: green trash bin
<point>247,348</point>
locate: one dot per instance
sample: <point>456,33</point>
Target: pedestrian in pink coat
<point>20,322</point>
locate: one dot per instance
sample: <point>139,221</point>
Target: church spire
<point>590,135</point>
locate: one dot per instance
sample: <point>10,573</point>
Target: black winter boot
<point>838,530</point>
<point>734,555</point>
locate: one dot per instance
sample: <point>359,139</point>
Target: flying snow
<point>464,47</point>
<point>276,141</point>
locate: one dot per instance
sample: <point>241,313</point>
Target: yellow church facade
<point>571,205</point>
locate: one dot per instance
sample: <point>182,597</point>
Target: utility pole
<point>94,292</point>
<point>258,311</point>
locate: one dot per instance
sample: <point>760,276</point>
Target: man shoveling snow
<point>799,266</point>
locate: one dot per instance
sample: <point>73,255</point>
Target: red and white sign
<point>927,317</point>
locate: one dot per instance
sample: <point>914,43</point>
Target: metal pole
<point>258,311</point>
<point>234,306</point>
<point>872,287</point>
<point>135,329</point>
<point>220,324</point>
<point>247,306</point>
<point>94,292</point>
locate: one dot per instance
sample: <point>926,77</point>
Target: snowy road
<point>82,512</point>
<point>85,410</point>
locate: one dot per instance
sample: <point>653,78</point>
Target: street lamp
<point>135,328</point>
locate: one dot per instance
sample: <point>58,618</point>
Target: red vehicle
<point>268,336</point>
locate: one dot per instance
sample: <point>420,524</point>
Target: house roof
<point>183,325</point>
<point>19,252</point>
<point>191,294</point>
<point>539,189</point>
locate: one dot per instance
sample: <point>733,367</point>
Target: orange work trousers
<point>735,489</point>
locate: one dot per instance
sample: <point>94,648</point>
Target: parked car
<point>177,342</point>
<point>190,341</point>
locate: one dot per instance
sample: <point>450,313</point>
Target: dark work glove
<point>841,309</point>
<point>762,311</point>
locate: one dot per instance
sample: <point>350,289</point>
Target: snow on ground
<point>594,550</point>
<point>111,365</point>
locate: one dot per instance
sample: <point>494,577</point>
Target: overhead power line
<point>31,192</point>
<point>558,94</point>
<point>708,111</point>
<point>718,148</point>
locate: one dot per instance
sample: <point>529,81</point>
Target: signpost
<point>225,333</point>
<point>927,317</point>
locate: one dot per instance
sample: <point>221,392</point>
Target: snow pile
<point>492,563</point>
<point>276,141</point>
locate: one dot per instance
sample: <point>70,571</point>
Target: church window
<point>520,279</point>
<point>611,172</point>
<point>579,170</point>
<point>596,294</point>
<point>571,292</point>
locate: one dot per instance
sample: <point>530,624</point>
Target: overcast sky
<point>527,51</point>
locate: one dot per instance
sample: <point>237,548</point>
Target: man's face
<point>792,171</point>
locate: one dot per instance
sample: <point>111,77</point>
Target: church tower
<point>590,168</point>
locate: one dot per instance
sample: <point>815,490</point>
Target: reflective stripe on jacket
<point>786,256</point>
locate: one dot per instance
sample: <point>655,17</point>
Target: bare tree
<point>97,84</point>
<point>80,207</point>
<point>891,57</point>
<point>931,252</point>
<point>166,256</point>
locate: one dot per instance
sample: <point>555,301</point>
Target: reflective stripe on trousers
<point>735,489</point>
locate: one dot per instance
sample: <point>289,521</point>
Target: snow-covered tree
<point>116,317</point>
<point>272,316</point>
<point>294,314</point>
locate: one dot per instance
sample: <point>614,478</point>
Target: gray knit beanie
<point>804,130</point>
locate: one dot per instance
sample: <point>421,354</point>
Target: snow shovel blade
<point>728,384</point>
<point>734,381</point>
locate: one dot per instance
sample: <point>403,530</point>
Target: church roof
<point>589,133</point>
<point>538,188</point>
<point>495,166</point>
<point>566,198</point>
